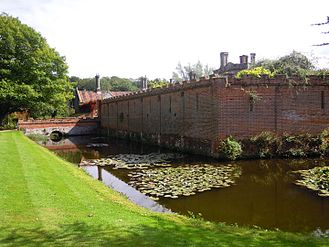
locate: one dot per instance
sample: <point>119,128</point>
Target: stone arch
<point>56,135</point>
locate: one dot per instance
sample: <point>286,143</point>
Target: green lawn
<point>45,201</point>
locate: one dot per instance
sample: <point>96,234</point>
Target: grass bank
<point>45,201</point>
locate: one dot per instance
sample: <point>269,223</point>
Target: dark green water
<point>264,195</point>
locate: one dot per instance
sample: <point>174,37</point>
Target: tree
<point>183,72</point>
<point>321,24</point>
<point>113,83</point>
<point>33,76</point>
<point>84,83</point>
<point>122,84</point>
<point>74,79</point>
<point>293,64</point>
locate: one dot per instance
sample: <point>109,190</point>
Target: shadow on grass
<point>160,233</point>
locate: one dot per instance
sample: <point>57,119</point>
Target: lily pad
<point>173,182</point>
<point>135,161</point>
<point>316,179</point>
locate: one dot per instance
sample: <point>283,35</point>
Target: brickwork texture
<point>195,115</point>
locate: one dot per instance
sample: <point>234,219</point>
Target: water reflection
<point>264,195</point>
<point>120,186</point>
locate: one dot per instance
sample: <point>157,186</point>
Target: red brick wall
<point>135,114</point>
<point>71,126</point>
<point>151,114</point>
<point>201,112</point>
<point>240,117</point>
<point>301,110</point>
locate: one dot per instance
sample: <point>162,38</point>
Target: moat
<point>263,195</point>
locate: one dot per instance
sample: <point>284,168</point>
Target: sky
<point>133,38</point>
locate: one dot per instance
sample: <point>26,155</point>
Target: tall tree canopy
<point>33,76</point>
<point>183,72</point>
<point>113,83</point>
<point>293,64</point>
<point>119,84</point>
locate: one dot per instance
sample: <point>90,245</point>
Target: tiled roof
<point>114,94</point>
<point>231,68</point>
<point>86,96</point>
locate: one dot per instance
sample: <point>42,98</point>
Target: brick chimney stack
<point>223,59</point>
<point>144,83</point>
<point>252,58</point>
<point>98,84</point>
<point>243,59</point>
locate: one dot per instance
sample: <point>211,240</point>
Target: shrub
<point>324,141</point>
<point>229,148</point>
<point>299,145</point>
<point>266,143</point>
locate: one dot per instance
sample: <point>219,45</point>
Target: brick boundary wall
<point>69,126</point>
<point>195,115</point>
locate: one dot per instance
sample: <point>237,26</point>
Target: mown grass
<point>45,201</point>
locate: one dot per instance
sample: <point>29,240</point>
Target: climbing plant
<point>253,96</point>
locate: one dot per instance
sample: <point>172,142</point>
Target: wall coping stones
<point>57,120</point>
<point>226,81</point>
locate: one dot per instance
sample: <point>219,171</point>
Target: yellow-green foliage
<point>157,83</point>
<point>256,72</point>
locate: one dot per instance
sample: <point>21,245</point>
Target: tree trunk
<point>4,111</point>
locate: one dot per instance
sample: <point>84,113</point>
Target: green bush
<point>300,145</point>
<point>266,143</point>
<point>256,72</point>
<point>324,141</point>
<point>229,148</point>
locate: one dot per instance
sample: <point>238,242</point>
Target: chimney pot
<point>144,83</point>
<point>252,58</point>
<point>98,83</point>
<point>243,59</point>
<point>223,59</point>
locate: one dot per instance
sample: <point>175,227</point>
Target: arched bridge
<point>64,126</point>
